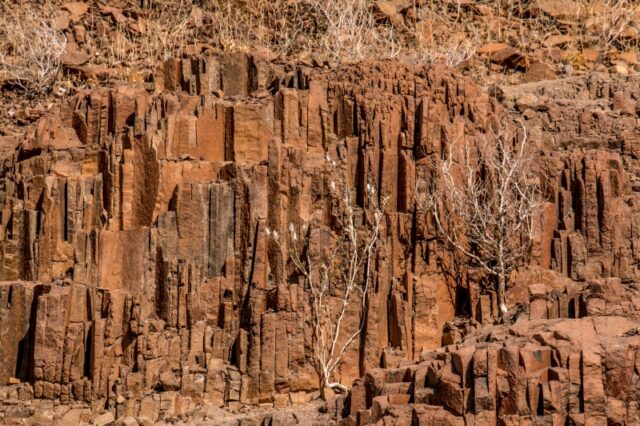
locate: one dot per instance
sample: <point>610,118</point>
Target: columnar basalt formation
<point>133,227</point>
<point>133,256</point>
<point>574,358</point>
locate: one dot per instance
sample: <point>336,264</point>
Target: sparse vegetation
<point>483,204</point>
<point>125,41</point>
<point>158,30</point>
<point>452,54</point>
<point>609,23</point>
<point>339,280</point>
<point>352,32</point>
<point>283,27</point>
<point>30,48</point>
<point>547,31</point>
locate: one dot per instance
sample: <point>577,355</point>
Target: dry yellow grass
<point>30,48</point>
<point>428,31</point>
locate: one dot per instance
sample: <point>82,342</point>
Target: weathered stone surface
<point>137,276</point>
<point>527,371</point>
<point>140,222</point>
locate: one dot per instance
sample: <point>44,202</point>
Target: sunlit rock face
<point>134,261</point>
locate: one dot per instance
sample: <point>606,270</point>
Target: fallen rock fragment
<point>539,71</point>
<point>623,104</point>
<point>620,68</point>
<point>390,11</point>
<point>76,9</point>
<point>72,57</point>
<point>559,9</point>
<point>504,55</point>
<point>61,20</point>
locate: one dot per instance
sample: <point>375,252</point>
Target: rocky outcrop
<point>551,367</point>
<point>132,228</point>
<point>136,273</point>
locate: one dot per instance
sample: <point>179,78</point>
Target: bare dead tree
<point>484,205</point>
<point>336,273</point>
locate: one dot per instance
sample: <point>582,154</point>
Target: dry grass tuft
<point>30,48</point>
<point>607,24</point>
<point>344,30</point>
<point>157,30</point>
<point>351,31</point>
<point>284,27</point>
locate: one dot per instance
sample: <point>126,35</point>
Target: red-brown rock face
<point>573,359</point>
<point>132,250</point>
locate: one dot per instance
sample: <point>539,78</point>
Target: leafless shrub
<point>284,27</point>
<point>608,20</point>
<point>605,25</point>
<point>229,25</point>
<point>351,32</point>
<point>451,54</point>
<point>30,48</point>
<point>335,276</point>
<point>342,29</point>
<point>168,29</point>
<point>162,30</point>
<point>484,205</point>
<point>432,45</point>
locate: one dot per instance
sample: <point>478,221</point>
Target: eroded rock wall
<point>140,217</point>
<point>573,358</point>
<point>132,219</point>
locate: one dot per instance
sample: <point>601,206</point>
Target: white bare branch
<point>336,281</point>
<point>352,32</point>
<point>30,50</point>
<point>488,210</point>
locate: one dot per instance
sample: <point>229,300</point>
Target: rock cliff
<point>136,275</point>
